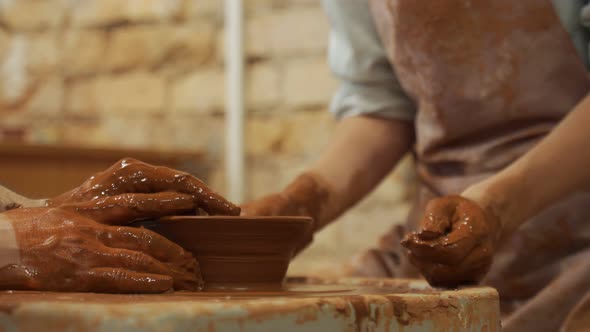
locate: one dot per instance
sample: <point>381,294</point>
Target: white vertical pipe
<point>234,85</point>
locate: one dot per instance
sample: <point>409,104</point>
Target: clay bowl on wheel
<point>237,252</point>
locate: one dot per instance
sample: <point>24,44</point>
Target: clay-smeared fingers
<point>125,208</point>
<point>451,228</point>
<point>455,242</point>
<point>141,239</point>
<point>271,205</point>
<point>187,281</point>
<point>115,280</point>
<point>439,218</point>
<point>441,250</point>
<point>469,271</point>
<point>133,176</point>
<point>181,265</point>
<point>478,262</point>
<point>131,260</point>
<point>160,179</point>
<point>141,177</point>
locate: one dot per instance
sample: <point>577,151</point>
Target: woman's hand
<point>361,152</point>
<point>133,181</point>
<point>277,204</point>
<point>305,196</point>
<point>59,250</point>
<point>455,243</point>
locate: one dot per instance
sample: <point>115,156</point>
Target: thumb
<point>124,208</point>
<point>271,205</point>
<point>438,218</point>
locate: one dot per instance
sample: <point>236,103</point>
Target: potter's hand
<point>59,250</point>
<point>125,208</point>
<point>130,176</point>
<point>277,204</point>
<point>303,197</point>
<point>455,242</point>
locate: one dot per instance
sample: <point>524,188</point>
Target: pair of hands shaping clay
<point>79,242</point>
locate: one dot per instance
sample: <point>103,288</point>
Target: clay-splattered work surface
<point>303,304</point>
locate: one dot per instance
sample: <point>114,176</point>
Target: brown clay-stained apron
<point>490,78</point>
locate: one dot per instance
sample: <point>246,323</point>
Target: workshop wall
<point>149,74</point>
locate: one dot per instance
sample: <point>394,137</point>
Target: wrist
<point>498,197</point>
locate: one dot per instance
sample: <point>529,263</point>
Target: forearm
<point>10,200</point>
<point>361,153</point>
<point>557,166</point>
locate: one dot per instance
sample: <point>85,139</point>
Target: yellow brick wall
<point>149,73</point>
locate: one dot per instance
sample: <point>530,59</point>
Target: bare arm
<point>557,166</point>
<point>362,152</point>
<point>376,129</point>
<point>457,237</point>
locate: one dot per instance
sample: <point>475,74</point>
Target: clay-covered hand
<point>455,242</point>
<point>302,197</point>
<point>277,204</point>
<point>139,183</point>
<point>59,250</point>
<point>305,196</point>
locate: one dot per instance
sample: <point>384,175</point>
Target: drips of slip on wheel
<point>304,305</point>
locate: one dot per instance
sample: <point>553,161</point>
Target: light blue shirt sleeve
<point>369,85</point>
<point>584,48</point>
<point>575,18</point>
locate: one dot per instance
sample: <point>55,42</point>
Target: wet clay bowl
<point>237,252</point>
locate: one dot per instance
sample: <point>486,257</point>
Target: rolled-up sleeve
<point>585,21</point>
<point>575,18</point>
<point>369,85</point>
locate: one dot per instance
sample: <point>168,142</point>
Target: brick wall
<point>149,73</point>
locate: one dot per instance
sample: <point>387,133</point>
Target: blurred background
<point>86,82</point>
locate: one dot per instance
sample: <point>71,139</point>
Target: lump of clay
<point>455,242</point>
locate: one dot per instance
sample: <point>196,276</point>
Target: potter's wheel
<point>302,305</point>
